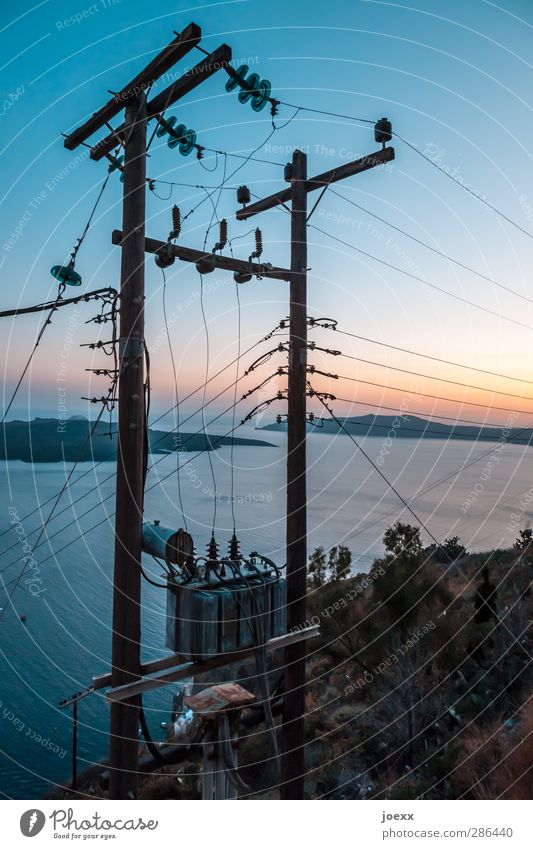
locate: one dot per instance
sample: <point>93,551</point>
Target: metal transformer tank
<point>205,619</point>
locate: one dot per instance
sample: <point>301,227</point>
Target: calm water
<point>66,637</point>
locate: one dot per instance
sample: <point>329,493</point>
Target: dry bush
<point>495,762</point>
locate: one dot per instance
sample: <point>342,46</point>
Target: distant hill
<point>413,427</point>
<point>50,441</point>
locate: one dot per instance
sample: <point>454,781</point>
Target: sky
<point>454,79</point>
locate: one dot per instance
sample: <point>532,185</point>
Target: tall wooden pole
<point>292,772</point>
<point>124,743</point>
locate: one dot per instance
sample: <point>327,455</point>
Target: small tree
<point>317,572</point>
<point>402,539</point>
<point>449,550</point>
<point>340,561</point>
<point>522,542</point>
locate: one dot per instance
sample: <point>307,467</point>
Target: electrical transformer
<point>226,606</point>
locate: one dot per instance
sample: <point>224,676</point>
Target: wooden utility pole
<point>126,663</point>
<point>292,771</point>
<point>293,730</point>
<point>125,657</point>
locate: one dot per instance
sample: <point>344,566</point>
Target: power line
<point>481,456</point>
<point>464,186</point>
<point>412,276</point>
<point>434,359</point>
<point>89,220</point>
<point>433,377</point>
<point>455,420</point>
<point>27,561</point>
<point>376,468</point>
<point>176,397</point>
<point>64,302</point>
<point>163,415</point>
<point>434,397</point>
<point>324,112</point>
<point>421,154</point>
<point>109,477</point>
<point>349,420</point>
<point>40,335</point>
<point>432,248</point>
<point>110,515</point>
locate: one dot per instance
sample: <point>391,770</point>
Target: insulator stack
<point>212,548</point>
<point>222,235</point>
<point>258,242</point>
<point>234,548</point>
<point>176,222</point>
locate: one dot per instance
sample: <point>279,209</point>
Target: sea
<point>55,632</point>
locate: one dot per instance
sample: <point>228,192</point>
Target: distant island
<point>413,427</point>
<point>51,441</point>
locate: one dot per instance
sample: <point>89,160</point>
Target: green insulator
<point>66,274</point>
<point>118,161</point>
<point>246,94</point>
<point>260,100</point>
<point>177,136</point>
<point>188,143</point>
<point>163,128</point>
<point>233,82</point>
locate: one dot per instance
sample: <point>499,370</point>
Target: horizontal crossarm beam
<point>161,63</point>
<point>226,263</point>
<point>192,78</point>
<point>318,182</point>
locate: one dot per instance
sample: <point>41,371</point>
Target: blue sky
<point>453,77</point>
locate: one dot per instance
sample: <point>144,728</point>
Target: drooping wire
<point>463,185</point>
<point>435,377</point>
<point>47,321</point>
<point>159,418</point>
<point>434,359</point>
<point>48,519</point>
<point>210,170</point>
<point>176,399</point>
<point>112,495</point>
<point>432,248</point>
<point>207,359</point>
<point>456,421</point>
<point>147,401</point>
<point>376,467</point>
<point>323,112</point>
<point>420,153</point>
<point>246,159</point>
<point>422,279</point>
<point>435,397</point>
<point>237,366</point>
<point>80,241</point>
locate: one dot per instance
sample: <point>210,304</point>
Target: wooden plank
<point>216,60</point>
<point>101,681</point>
<point>186,670</point>
<point>318,182</point>
<point>184,41</point>
<point>226,263</point>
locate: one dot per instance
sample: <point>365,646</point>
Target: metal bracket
<point>130,349</point>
